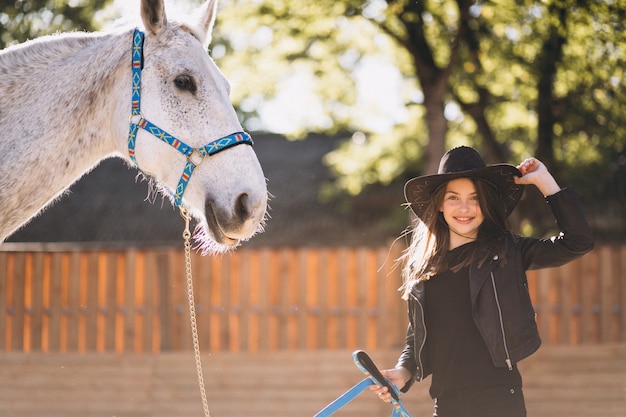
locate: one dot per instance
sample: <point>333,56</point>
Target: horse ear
<point>207,20</point>
<point>153,15</point>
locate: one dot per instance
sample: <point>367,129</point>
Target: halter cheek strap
<point>195,156</point>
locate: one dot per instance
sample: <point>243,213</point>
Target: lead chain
<point>192,310</point>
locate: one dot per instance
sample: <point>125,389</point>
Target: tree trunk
<point>434,96</point>
<point>551,54</point>
<point>433,81</point>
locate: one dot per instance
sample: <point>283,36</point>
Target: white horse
<point>65,104</point>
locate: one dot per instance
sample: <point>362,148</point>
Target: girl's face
<point>461,211</point>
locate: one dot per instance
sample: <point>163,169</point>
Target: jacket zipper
<point>419,352</point>
<point>506,348</point>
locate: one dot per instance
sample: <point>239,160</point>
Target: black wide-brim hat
<point>464,162</point>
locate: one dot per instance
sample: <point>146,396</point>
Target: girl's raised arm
<point>535,172</point>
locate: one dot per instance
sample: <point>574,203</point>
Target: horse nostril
<point>242,210</point>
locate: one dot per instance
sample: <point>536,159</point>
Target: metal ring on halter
<point>136,117</point>
<point>195,153</point>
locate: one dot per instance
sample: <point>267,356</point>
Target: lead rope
<point>192,310</point>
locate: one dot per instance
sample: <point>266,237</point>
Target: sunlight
<point>379,87</point>
<point>124,10</point>
<point>296,105</point>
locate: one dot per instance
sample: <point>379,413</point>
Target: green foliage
<point>367,159</point>
<point>21,20</point>
<point>285,42</point>
<point>524,78</point>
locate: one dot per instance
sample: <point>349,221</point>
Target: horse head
<point>186,95</point>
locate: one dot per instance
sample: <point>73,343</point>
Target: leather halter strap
<point>194,156</point>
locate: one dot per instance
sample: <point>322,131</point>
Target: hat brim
<point>418,191</point>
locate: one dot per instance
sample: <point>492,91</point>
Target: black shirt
<point>460,362</point>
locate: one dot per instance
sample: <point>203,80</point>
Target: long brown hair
<point>430,240</point>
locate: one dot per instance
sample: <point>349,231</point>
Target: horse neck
<point>65,102</point>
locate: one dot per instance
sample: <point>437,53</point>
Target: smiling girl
<point>470,314</point>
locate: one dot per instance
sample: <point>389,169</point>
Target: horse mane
<point>49,48</point>
<point>46,49</point>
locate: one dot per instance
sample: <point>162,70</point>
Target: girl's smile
<point>461,211</point>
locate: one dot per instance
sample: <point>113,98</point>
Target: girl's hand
<point>530,166</point>
<point>398,376</point>
<point>535,172</point>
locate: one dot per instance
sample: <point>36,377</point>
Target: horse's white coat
<point>65,105</point>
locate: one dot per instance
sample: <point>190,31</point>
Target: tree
<point>512,77</point>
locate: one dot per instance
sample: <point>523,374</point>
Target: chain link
<point>192,310</point>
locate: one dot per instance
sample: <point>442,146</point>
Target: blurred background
<point>348,99</point>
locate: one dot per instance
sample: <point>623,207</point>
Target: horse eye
<point>185,82</point>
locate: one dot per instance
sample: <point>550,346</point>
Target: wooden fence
<point>64,298</point>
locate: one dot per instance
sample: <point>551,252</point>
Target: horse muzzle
<point>243,218</point>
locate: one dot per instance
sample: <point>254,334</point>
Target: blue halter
<point>195,156</point>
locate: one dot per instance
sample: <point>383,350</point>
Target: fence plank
<point>120,275</point>
<point>235,313</point>
<point>360,301</point>
<point>565,290</point>
<point>148,308</point>
<point>72,290</point>
<point>110,301</point>
<point>333,300</point>
<point>275,289</point>
<point>606,291</point>
<point>394,310</point>
<point>290,301</point>
<point>622,300</point>
<point>343,282</point>
<point>53,303</point>
<point>27,302</point>
<point>181,332</point>
<point>589,295</point>
<point>301,282</point>
<point>91,280</point>
<point>243,302</point>
<point>35,307</point>
<point>351,295</point>
<point>129,301</point>
<point>19,282</point>
<point>4,291</point>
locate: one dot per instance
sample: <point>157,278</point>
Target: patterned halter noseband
<point>194,156</point>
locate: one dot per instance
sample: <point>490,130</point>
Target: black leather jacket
<point>501,304</point>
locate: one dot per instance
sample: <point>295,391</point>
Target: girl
<point>470,314</point>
